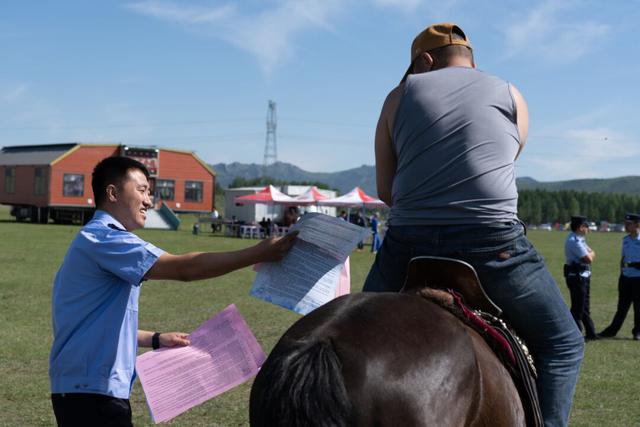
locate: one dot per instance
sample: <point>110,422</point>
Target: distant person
<point>577,273</point>
<point>445,147</point>
<point>269,227</point>
<point>291,216</point>
<point>375,233</point>
<point>343,216</point>
<point>263,226</point>
<point>95,297</point>
<point>359,220</point>
<point>215,224</point>
<point>629,281</point>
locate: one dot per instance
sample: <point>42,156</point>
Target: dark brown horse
<point>383,360</point>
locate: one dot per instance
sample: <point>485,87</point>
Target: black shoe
<point>605,334</point>
<point>595,337</point>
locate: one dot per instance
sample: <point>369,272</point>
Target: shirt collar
<point>106,219</point>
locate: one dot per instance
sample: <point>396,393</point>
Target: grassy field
<point>30,254</point>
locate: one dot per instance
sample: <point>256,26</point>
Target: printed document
<point>223,354</point>
<point>314,271</point>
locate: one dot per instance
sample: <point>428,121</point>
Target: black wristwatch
<point>155,341</point>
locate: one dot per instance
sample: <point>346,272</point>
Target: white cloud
<point>15,93</point>
<point>181,14</point>
<point>407,5</point>
<point>602,144</point>
<point>269,35</point>
<point>580,153</point>
<point>547,33</point>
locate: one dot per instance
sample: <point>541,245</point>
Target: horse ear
<point>448,273</point>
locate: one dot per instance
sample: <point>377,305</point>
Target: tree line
<point>543,206</point>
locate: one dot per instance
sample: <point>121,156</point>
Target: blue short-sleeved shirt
<point>575,248</point>
<point>95,309</point>
<point>631,253</point>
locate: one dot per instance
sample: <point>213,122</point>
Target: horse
<point>387,360</point>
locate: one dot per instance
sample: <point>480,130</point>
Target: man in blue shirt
<point>629,281</point>
<point>577,272</point>
<point>375,236</point>
<point>95,297</point>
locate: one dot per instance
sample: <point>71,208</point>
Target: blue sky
<point>197,75</point>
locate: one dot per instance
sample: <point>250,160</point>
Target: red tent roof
<point>355,197</point>
<point>310,197</point>
<point>268,195</point>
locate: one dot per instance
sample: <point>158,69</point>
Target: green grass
<point>30,255</point>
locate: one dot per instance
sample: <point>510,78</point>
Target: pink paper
<point>344,285</point>
<point>223,354</point>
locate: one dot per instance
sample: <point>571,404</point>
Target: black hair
<point>112,170</point>
<point>575,224</point>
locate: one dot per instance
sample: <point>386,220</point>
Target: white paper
<point>309,275</point>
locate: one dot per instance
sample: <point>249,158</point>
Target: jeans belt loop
<point>524,226</point>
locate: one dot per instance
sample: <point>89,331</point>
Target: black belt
<point>574,268</point>
<point>631,264</point>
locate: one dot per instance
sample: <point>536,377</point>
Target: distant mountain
<point>365,178</point>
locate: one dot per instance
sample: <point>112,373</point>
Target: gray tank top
<point>455,137</point>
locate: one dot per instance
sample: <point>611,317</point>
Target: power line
<point>123,125</point>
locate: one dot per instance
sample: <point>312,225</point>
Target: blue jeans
<point>515,277</point>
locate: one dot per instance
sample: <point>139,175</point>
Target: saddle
<point>465,297</point>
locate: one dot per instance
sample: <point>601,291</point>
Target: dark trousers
<point>628,292</point>
<point>96,410</point>
<point>579,288</point>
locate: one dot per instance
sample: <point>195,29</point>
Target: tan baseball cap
<point>434,37</point>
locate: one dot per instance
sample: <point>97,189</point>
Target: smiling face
<point>129,202</point>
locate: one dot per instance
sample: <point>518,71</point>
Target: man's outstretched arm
<point>204,265</point>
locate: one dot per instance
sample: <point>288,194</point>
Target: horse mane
<point>301,386</point>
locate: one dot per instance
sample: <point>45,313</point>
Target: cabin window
<point>193,191</point>
<point>39,181</point>
<point>10,180</point>
<point>165,189</point>
<point>73,185</point>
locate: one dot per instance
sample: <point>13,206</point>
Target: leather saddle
<point>448,273</point>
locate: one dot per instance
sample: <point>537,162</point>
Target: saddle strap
<point>508,345</point>
<point>523,373</point>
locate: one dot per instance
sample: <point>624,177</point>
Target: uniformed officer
<point>629,281</point>
<point>577,272</point>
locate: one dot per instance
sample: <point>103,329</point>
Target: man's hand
<point>174,339</point>
<point>275,248</point>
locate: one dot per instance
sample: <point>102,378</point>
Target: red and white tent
<point>355,197</point>
<point>310,197</point>
<point>268,195</point>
